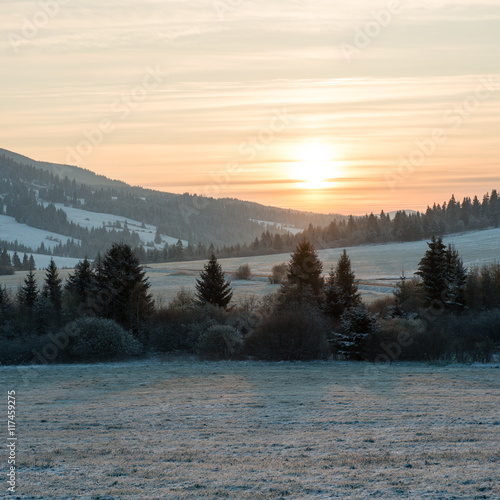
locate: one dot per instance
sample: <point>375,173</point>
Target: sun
<point>315,165</point>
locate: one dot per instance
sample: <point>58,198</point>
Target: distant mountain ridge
<point>77,174</point>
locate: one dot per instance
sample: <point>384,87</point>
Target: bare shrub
<point>290,335</point>
<point>279,273</point>
<point>382,307</point>
<point>243,273</point>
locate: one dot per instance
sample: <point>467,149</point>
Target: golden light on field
<point>316,165</point>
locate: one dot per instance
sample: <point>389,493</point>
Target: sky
<point>350,106</point>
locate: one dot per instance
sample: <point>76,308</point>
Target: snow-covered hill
<point>11,231</point>
<point>89,220</point>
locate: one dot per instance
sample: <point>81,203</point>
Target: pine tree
<point>304,270</point>
<point>16,262</point>
<point>5,259</point>
<point>456,277</point>
<point>26,263</point>
<point>52,288</point>
<point>28,294</point>
<point>82,282</point>
<point>5,263</point>
<point>179,251</point>
<point>341,290</point>
<point>433,271</point>
<point>123,282</point>
<point>31,262</point>
<point>212,287</point>
<point>357,326</point>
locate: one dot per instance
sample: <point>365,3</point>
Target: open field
<point>186,429</point>
<point>378,267</point>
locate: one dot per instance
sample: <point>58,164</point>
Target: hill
<point>77,213</point>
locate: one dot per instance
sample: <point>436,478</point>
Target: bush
<point>100,339</point>
<point>220,342</point>
<point>382,307</point>
<point>290,335</point>
<point>180,325</point>
<point>243,273</point>
<point>279,273</point>
<point>20,350</point>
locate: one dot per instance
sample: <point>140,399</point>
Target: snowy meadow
<point>189,429</point>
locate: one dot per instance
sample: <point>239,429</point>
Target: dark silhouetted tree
<point>433,271</point>
<point>212,287</point>
<point>341,290</point>
<point>81,284</point>
<point>304,270</point>
<point>52,288</point>
<point>124,287</point>
<point>456,277</point>
<point>28,294</point>
<point>16,262</point>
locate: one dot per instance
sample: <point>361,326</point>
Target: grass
<point>187,429</point>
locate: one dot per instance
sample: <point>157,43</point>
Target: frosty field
<point>187,429</point>
<point>377,267</point>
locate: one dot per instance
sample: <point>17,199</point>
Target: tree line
<point>10,265</point>
<point>105,310</point>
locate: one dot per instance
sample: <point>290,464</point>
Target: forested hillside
<point>39,194</point>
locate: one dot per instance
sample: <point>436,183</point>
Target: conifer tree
<point>341,290</point>
<point>31,262</point>
<point>5,263</point>
<point>5,259</point>
<point>433,271</point>
<point>81,284</point>
<point>456,276</point>
<point>212,287</point>
<point>52,289</point>
<point>28,294</point>
<point>16,262</point>
<point>304,270</point>
<point>124,284</point>
<point>26,263</point>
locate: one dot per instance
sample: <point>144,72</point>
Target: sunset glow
<point>319,108</point>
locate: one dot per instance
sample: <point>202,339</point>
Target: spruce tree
<point>31,262</point>
<point>81,284</point>
<point>5,259</point>
<point>304,270</point>
<point>52,289</point>
<point>26,263</point>
<point>5,263</point>
<point>341,290</point>
<point>28,294</point>
<point>123,287</point>
<point>456,277</point>
<point>212,287</point>
<point>433,271</point>
<point>16,262</point>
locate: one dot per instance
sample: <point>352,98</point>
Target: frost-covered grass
<point>186,429</point>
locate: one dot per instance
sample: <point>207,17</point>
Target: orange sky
<point>349,107</point>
